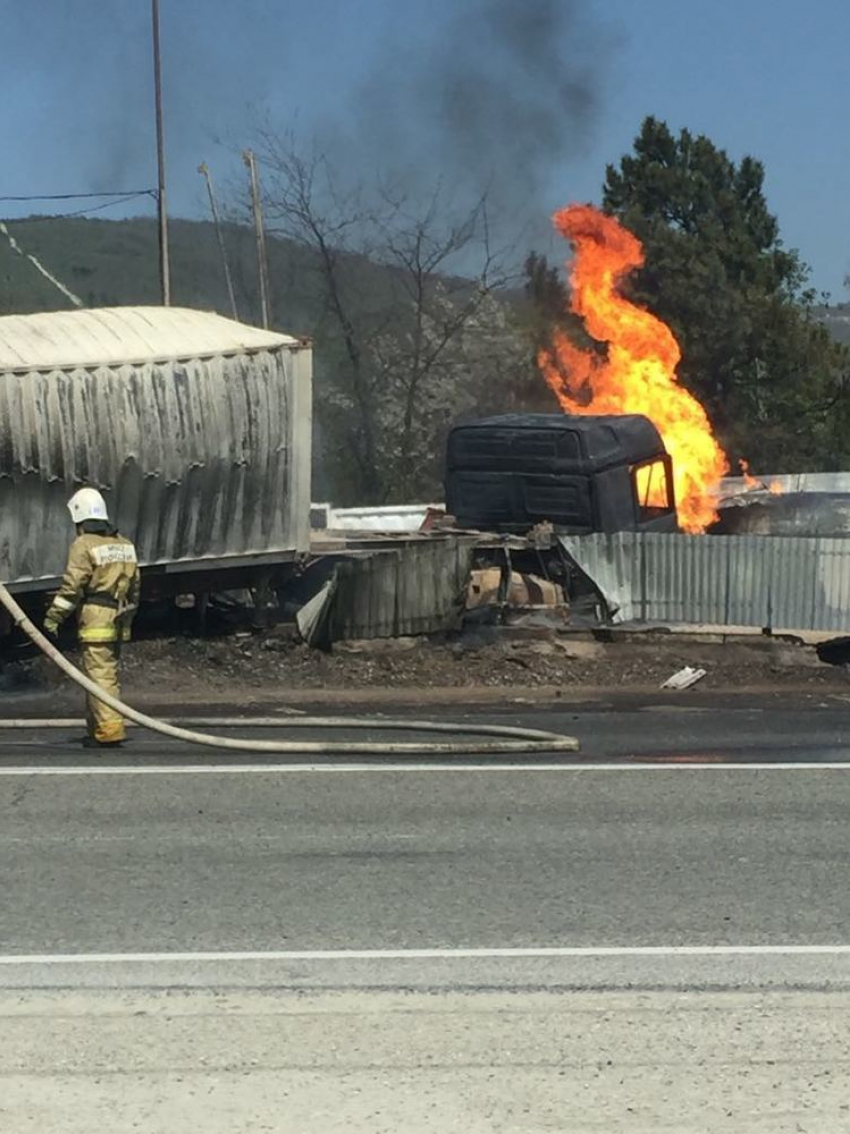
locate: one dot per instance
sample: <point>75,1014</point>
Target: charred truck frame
<point>537,476</point>
<point>581,474</point>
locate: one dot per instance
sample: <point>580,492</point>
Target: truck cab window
<point>653,490</point>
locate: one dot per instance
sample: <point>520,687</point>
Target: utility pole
<point>162,213</point>
<point>262,260</point>
<point>203,168</point>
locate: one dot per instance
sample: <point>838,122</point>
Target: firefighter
<point>101,584</point>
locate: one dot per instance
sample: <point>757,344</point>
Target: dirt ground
<point>236,665</point>
<point>266,659</point>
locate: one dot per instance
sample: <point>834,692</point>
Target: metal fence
<point>774,582</point>
<point>415,588</point>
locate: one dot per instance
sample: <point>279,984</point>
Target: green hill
<point>109,263</point>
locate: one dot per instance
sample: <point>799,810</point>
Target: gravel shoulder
<point>367,1063</point>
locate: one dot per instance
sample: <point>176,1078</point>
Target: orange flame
<point>752,482</point>
<point>638,372</point>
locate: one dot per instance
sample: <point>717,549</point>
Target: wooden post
<point>203,168</point>
<point>262,259</point>
<point>162,212</point>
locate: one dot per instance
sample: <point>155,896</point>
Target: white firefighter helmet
<point>87,504</point>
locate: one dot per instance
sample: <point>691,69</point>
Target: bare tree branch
<point>408,283</point>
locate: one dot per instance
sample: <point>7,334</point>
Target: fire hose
<point>491,739</point>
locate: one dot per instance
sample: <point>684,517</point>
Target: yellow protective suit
<point>102,584</point>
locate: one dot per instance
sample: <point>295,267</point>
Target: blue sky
<point>766,77</point>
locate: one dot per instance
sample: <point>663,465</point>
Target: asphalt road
<point>423,859</point>
<point>654,935</point>
<point>655,835</point>
<point>763,729</point>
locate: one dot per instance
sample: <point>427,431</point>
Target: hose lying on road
<point>491,739</point>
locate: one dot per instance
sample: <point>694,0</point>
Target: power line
<point>82,196</point>
<point>92,209</point>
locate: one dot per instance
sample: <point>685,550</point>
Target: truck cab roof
<point>581,474</point>
<point>552,443</point>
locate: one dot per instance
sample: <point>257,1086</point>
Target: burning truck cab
<point>580,473</point>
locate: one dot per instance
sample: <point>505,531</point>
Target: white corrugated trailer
<point>197,430</point>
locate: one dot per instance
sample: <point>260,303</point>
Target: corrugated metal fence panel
<point>693,580</point>
<point>204,458</point>
<point>832,585</point>
<point>432,585</point>
<point>793,574</point>
<point>414,589</point>
<point>768,581</point>
<point>614,566</point>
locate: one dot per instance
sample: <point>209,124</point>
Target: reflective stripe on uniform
<point>113,553</point>
<point>98,634</point>
<point>62,603</point>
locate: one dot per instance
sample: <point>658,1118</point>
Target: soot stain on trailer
<point>201,455</point>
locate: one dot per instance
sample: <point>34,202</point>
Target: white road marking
<point>429,954</point>
<point>688,765</point>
